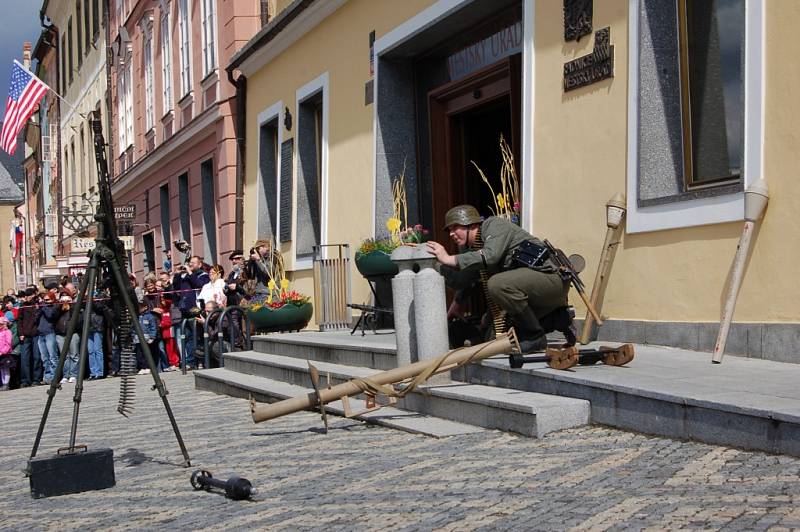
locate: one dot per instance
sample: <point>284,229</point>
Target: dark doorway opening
<point>467,118</point>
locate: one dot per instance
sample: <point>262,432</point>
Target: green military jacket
<point>500,239</point>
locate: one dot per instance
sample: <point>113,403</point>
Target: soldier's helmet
<point>461,215</point>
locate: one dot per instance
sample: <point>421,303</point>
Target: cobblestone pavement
<point>360,477</point>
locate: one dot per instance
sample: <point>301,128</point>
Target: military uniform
<point>526,294</point>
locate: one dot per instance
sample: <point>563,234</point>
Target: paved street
<point>361,477</point>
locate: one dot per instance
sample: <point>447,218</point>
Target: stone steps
<point>369,351</point>
<point>528,413</point>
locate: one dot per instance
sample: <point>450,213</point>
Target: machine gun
<point>106,263</point>
<point>569,274</point>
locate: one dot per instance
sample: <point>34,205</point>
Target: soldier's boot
<point>530,335</point>
<point>561,320</point>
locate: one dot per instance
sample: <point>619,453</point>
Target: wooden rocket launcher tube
<point>755,201</point>
<point>503,344</point>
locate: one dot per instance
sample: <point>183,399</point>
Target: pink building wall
<point>200,131</point>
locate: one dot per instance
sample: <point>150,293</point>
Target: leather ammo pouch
<point>529,254</point>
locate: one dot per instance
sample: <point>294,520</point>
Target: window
<point>185,207</point>
<point>69,48</point>
<point>73,173</point>
<point>149,245</point>
<point>147,52</point>
<point>79,30</point>
<point>87,22</point>
<point>129,98</point>
<point>166,233</point>
<point>209,211</point>
<point>96,19</point>
<point>267,208</point>
<point>186,57</point>
<point>125,103</point>
<point>84,175</point>
<point>66,170</point>
<point>166,62</point>
<point>711,36</point>
<point>311,165</point>
<point>63,64</point>
<point>209,36</point>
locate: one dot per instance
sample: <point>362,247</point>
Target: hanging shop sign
<point>593,67</point>
<point>125,213</point>
<point>87,244</point>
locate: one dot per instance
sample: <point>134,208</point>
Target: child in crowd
<point>150,323</point>
<point>7,360</point>
<point>167,344</point>
<point>71,363</point>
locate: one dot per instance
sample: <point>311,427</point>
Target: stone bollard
<point>430,312</point>
<point>403,305</point>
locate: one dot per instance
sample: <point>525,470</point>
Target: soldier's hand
<point>441,254</point>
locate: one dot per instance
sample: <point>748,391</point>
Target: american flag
<point>24,93</point>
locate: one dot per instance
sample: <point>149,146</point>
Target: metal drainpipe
<point>239,121</point>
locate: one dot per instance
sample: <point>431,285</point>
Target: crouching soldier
<point>534,297</point>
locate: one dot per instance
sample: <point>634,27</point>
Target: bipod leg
<point>556,358</point>
<point>54,384</point>
<point>314,373</point>
<point>91,279</point>
<point>159,384</point>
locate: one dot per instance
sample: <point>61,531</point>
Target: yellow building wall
<point>580,161</point>
<point>580,148</point>
<point>7,278</point>
<point>340,47</point>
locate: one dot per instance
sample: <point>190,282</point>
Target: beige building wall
<point>7,278</point>
<point>580,163</point>
<point>340,47</point>
<point>580,160</point>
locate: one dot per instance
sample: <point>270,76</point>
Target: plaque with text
<point>594,67</point>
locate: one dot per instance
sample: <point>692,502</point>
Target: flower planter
<point>286,318</point>
<point>375,263</point>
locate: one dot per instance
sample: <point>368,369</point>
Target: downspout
<point>239,121</point>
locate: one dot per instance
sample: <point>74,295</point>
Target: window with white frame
<point>121,129</point>
<point>166,62</point>
<point>125,103</point>
<point>209,14</point>
<point>186,56</point>
<point>148,76</point>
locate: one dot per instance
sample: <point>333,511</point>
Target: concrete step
<point>747,403</point>
<point>369,351</point>
<point>227,382</point>
<point>528,413</point>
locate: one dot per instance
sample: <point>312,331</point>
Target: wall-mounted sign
<point>87,244</point>
<point>577,19</point>
<point>504,43</point>
<point>593,67</point>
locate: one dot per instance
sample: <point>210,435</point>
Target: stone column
<point>403,305</point>
<point>430,312</point>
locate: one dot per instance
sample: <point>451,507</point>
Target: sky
<point>19,23</point>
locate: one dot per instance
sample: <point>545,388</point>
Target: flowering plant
<point>506,202</point>
<point>398,235</point>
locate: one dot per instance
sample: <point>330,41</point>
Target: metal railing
<point>238,324</point>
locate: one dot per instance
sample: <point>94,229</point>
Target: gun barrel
<point>503,344</point>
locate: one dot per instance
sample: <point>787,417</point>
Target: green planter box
<point>284,319</point>
<point>375,263</point>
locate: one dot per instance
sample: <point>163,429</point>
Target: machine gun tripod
<point>106,258</point>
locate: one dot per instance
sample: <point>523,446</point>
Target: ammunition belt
<point>498,316</point>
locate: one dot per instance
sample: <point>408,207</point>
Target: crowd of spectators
<point>175,306</point>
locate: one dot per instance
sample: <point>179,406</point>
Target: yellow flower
<point>271,285</point>
<point>501,201</point>
<point>393,225</point>
<point>284,283</point>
